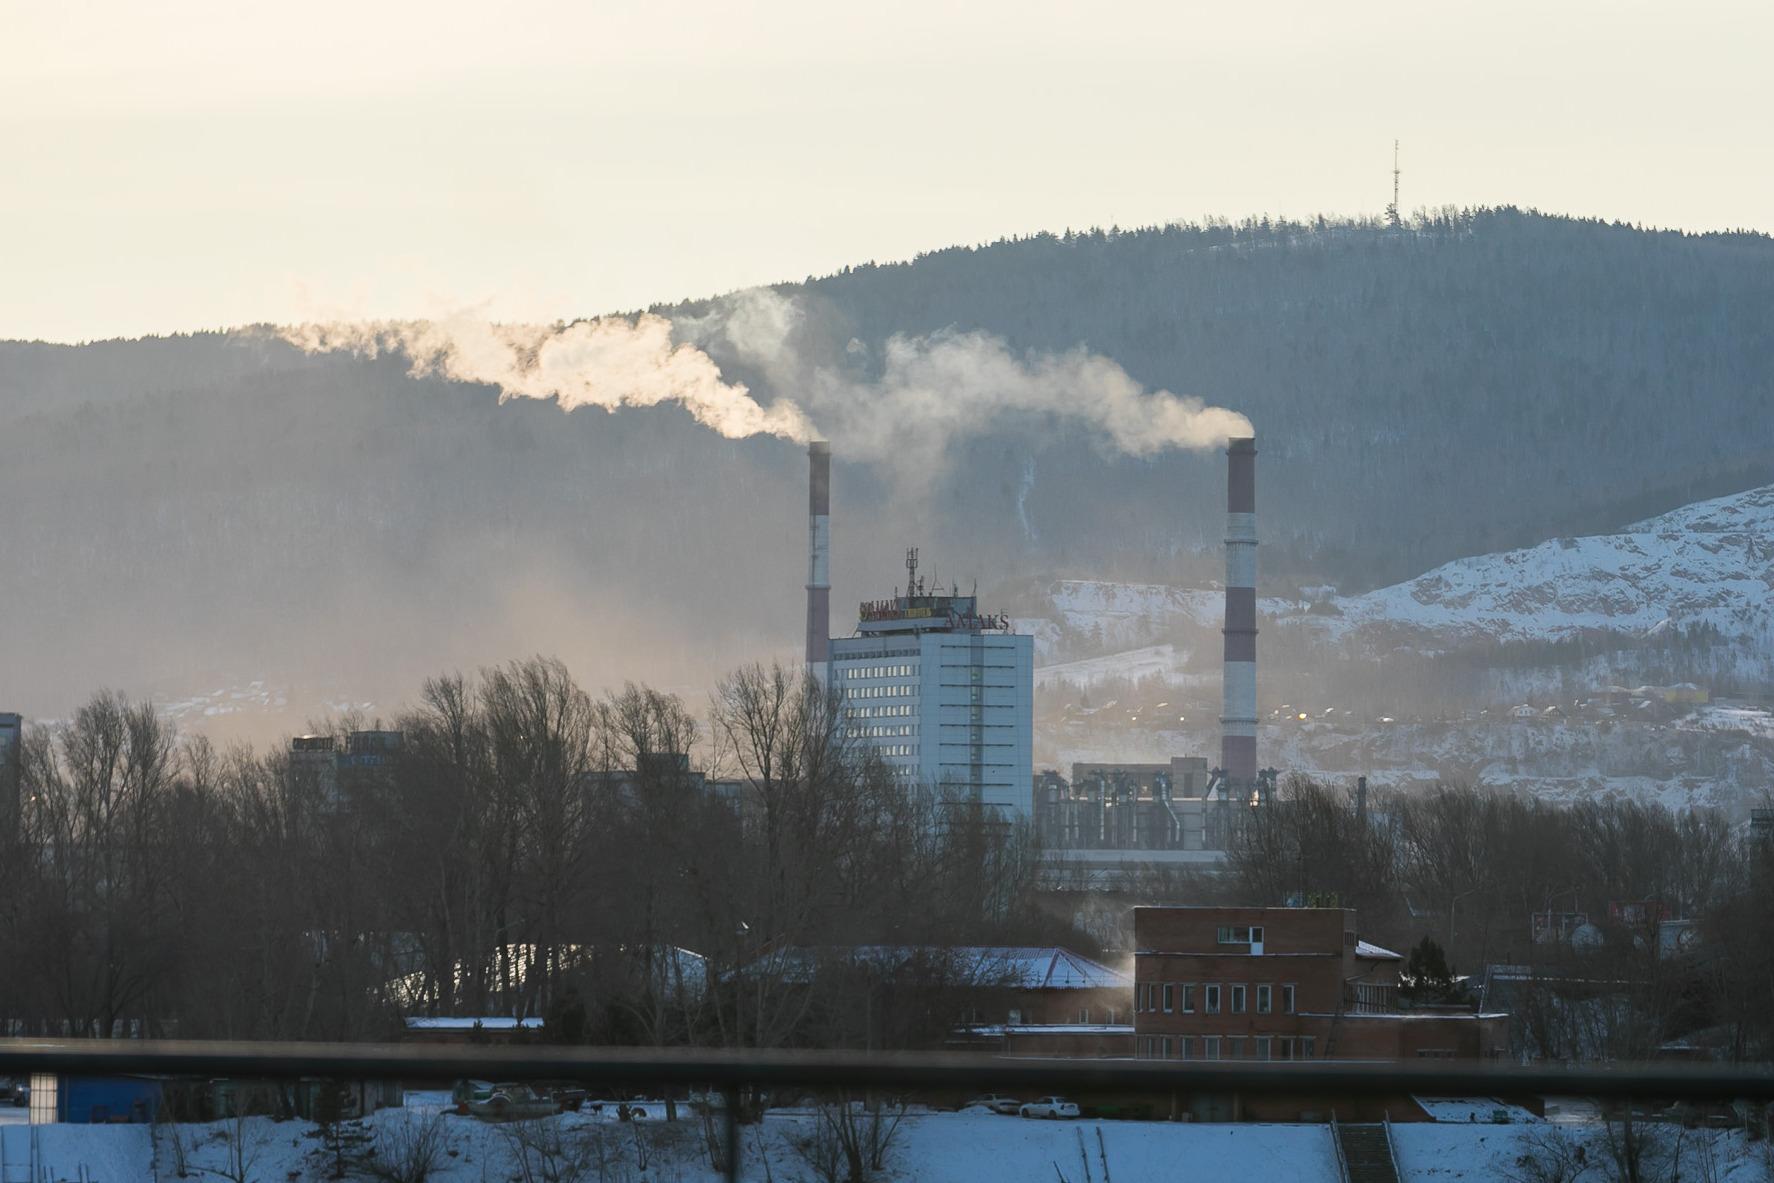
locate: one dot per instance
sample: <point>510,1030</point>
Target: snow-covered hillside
<point>1420,682</point>
<point>1711,563</point>
<point>1708,563</point>
<point>1082,618</point>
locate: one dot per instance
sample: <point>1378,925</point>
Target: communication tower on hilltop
<point>1392,210</point>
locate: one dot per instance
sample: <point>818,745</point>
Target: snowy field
<point>965,1147</point>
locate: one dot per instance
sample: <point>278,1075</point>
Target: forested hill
<point>1476,382</point>
<point>220,507</point>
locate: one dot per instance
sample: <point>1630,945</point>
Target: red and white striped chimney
<point>1238,723</point>
<point>819,545</point>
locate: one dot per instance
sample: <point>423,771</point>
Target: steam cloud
<point>610,363</point>
<point>921,395</point>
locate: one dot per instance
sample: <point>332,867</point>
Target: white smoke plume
<point>611,363</point>
<point>927,392</point>
<point>922,395</point>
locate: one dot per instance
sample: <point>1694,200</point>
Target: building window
<point>1210,1047</point>
<point>1287,999</point>
<point>1265,996</point>
<point>1306,1043</point>
<point>1188,998</point>
<point>1210,999</point>
<point>1188,1048</point>
<point>1016,1017</point>
<point>1167,1047</point>
<point>1263,1042</point>
<point>1235,1047</point>
<point>1084,1014</point>
<point>43,1098</point>
<point>1238,999</point>
<point>1284,1048</point>
<point>1169,997</point>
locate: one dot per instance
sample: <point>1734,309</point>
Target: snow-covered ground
<point>968,1147</point>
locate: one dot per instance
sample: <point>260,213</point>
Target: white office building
<point>944,694</point>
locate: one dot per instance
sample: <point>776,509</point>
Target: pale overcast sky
<point>192,163</point>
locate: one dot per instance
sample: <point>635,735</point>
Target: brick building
<point>1048,1001</point>
<point>1284,984</point>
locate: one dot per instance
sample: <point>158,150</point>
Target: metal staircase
<point>1364,1153</point>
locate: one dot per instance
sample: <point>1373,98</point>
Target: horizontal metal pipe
<point>838,1069</point>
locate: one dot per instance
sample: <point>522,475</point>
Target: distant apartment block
<point>333,769</point>
<point>943,693</point>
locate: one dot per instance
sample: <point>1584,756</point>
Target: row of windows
<point>1182,997</point>
<point>1226,1047</point>
<point>890,690</point>
<point>1103,1015</point>
<point>1238,934</point>
<point>897,749</point>
<point>877,671</point>
<point>890,711</point>
<point>880,730</point>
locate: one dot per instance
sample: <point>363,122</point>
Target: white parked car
<point>995,1102</point>
<point>1049,1107</point>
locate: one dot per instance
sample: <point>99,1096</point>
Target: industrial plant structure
<point>1132,807</point>
<point>1109,815</point>
<point>945,695</point>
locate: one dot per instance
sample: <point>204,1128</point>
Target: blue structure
<point>943,693</point>
<point>97,1100</point>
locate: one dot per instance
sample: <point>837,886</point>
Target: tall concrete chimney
<point>1238,723</point>
<point>819,553</point>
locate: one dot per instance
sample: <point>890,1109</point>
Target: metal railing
<point>729,1071</point>
<point>1337,1145</point>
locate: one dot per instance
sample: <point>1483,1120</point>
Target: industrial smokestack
<point>1238,723</point>
<point>819,547</point>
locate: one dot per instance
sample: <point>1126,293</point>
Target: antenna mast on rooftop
<point>1392,210</point>
<point>911,572</point>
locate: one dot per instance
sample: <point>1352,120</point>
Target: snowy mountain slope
<point>1707,563</point>
<point>1088,617</point>
<point>1410,684</point>
<point>1711,563</point>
